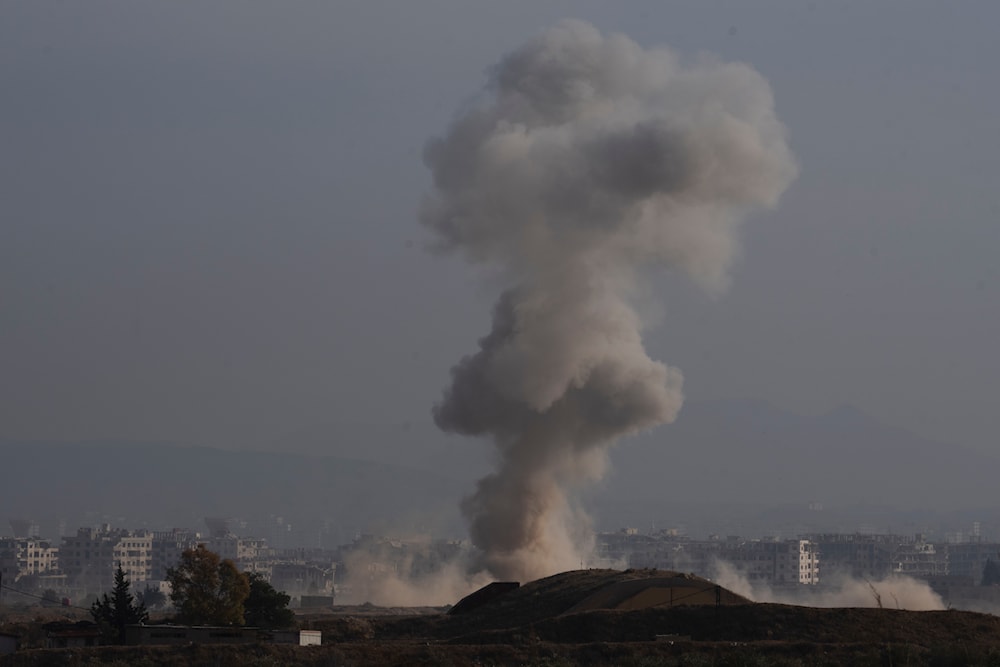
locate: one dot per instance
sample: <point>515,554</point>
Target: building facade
<point>26,556</point>
<point>89,558</point>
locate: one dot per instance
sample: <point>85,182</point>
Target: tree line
<point>205,590</point>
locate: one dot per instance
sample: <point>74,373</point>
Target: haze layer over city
<point>216,234</point>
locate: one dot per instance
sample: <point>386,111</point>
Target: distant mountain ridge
<point>743,453</point>
<point>161,486</point>
<point>729,457</point>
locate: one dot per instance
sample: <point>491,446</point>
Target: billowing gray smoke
<point>589,160</point>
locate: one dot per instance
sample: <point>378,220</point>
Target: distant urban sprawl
<point>78,567</point>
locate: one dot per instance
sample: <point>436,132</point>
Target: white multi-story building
<point>808,560</point>
<point>134,553</point>
<point>38,557</point>
<point>24,556</point>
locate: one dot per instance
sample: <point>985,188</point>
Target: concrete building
<point>773,561</point>
<point>9,570</point>
<point>967,559</point>
<point>298,579</point>
<point>919,558</point>
<point>249,554</point>
<point>630,548</point>
<point>62,634</point>
<point>856,554</point>
<point>166,550</point>
<point>776,562</point>
<point>89,558</point>
<point>879,555</point>
<point>26,556</point>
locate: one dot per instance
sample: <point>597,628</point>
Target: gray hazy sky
<point>208,227</point>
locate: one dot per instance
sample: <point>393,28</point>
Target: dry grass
<point>531,626</point>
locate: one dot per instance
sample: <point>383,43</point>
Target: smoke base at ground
<point>406,581</point>
<point>837,590</point>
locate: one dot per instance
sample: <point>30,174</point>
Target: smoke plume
<point>589,160</point>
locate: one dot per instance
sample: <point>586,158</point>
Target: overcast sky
<point>208,214</point>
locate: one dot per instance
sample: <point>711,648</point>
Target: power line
<point>39,597</point>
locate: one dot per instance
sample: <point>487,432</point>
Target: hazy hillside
<point>732,466</point>
<point>325,499</point>
<point>747,456</point>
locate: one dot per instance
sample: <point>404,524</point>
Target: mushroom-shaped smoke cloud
<point>590,159</point>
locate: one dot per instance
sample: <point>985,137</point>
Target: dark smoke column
<point>589,159</point>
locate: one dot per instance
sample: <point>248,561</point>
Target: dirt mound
<point>483,596</point>
<point>636,606</point>
<point>582,590</point>
<point>587,590</point>
<point>567,593</point>
<point>679,589</point>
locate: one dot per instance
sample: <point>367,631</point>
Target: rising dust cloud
<point>589,161</point>
<point>892,592</point>
<point>400,587</point>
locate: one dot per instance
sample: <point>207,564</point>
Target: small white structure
<point>300,637</point>
<point>310,637</point>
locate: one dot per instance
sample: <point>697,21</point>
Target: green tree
<point>113,613</point>
<point>207,590</point>
<point>266,607</point>
<point>152,598</point>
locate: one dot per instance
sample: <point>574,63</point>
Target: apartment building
<point>89,558</point>
<point>777,562</point>
<point>967,559</point>
<point>878,555</point>
<point>167,547</point>
<point>774,561</point>
<point>249,554</point>
<point>919,558</point>
<point>297,579</point>
<point>24,556</point>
